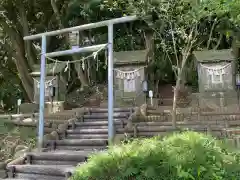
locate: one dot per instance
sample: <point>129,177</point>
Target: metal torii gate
<point>44,53</point>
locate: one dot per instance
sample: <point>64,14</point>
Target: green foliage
<point>182,26</point>
<point>185,156</point>
<point>11,136</point>
<point>176,15</point>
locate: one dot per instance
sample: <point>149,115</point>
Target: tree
<point>19,19</point>
<point>180,27</point>
<point>16,21</point>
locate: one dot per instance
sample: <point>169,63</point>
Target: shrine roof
<point>214,55</point>
<point>51,69</point>
<point>128,57</point>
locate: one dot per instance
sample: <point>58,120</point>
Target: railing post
<point>110,84</point>
<point>42,94</point>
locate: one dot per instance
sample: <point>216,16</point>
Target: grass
<point>181,156</point>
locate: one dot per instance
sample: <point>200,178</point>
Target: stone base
<point>27,108</point>
<point>122,101</point>
<point>54,107</point>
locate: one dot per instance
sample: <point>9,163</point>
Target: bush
<point>184,156</point>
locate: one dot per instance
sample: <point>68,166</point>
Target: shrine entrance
<point>45,54</point>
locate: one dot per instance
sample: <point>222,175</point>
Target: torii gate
<point>44,53</point>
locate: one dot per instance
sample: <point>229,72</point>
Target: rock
<point>28,120</point>
<point>18,119</point>
<point>21,153</point>
<point>20,150</point>
<point>20,147</point>
<point>118,139</point>
<point>2,165</point>
<point>8,161</point>
<point>128,126</point>
<point>143,110</point>
<point>55,135</point>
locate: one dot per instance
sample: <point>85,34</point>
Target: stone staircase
<point>87,134</point>
<point>220,127</point>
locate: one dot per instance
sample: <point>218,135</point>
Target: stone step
<point>77,142</point>
<point>80,148</point>
<point>105,110</point>
<point>31,176</point>
<point>182,123</point>
<point>15,179</point>
<point>54,162</point>
<point>92,127</point>
<point>87,136</point>
<point>101,116</point>
<point>119,114</point>
<point>49,170</point>
<point>155,128</point>
<point>98,123</point>
<point>75,156</point>
<point>94,131</point>
<point>170,128</point>
<point>118,126</point>
<point>102,119</point>
<point>87,131</point>
<point>151,134</point>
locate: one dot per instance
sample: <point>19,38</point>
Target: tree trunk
<point>21,61</point>
<point>24,93</point>
<point>12,57</point>
<point>86,70</point>
<point>174,107</point>
<point>179,73</point>
<point>26,79</point>
<point>81,75</point>
<point>156,87</point>
<point>94,71</point>
<point>149,45</point>
<point>177,88</point>
<point>28,45</point>
<point>89,71</point>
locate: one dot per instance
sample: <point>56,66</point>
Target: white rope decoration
<point>216,67</point>
<point>47,83</point>
<point>94,55</point>
<point>128,74</point>
<point>216,73</point>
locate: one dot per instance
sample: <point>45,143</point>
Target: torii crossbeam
<point>44,53</point>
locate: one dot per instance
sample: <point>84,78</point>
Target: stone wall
<point>146,122</point>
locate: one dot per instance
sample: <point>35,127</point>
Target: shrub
<point>183,156</point>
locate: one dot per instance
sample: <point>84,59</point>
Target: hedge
<point>183,156</point>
